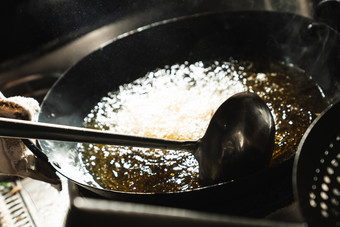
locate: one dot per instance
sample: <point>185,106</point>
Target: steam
<point>310,46</point>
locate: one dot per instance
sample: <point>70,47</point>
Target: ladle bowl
<point>239,139</point>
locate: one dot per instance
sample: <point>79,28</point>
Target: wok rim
<point>142,29</point>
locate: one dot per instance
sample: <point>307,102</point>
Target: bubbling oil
<point>177,102</point>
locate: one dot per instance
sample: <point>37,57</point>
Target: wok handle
<point>22,129</point>
<point>328,11</point>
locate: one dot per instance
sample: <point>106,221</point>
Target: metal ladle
<point>238,141</point>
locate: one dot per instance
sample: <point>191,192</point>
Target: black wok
<point>261,37</point>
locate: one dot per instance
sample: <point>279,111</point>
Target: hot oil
<point>295,101</point>
<point>177,102</point>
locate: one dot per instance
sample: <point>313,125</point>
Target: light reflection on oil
<point>293,98</point>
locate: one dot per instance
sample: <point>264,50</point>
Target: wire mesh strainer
<point>316,174</point>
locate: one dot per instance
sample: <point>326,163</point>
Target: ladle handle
<point>14,128</point>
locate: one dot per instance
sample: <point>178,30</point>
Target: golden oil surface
<point>294,99</point>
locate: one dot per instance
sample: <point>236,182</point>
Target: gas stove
<point>31,203</point>
<point>39,204</point>
<point>33,71</point>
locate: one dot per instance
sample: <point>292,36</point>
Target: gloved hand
<point>15,158</point>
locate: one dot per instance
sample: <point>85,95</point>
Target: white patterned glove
<point>15,158</point>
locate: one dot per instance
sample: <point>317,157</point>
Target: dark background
<point>29,24</point>
<point>36,26</point>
